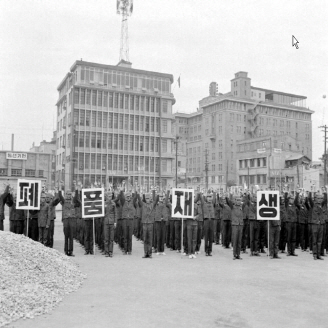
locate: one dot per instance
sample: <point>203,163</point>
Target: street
<point>175,291</point>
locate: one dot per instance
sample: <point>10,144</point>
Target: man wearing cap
<point>128,209</point>
<point>291,221</point>
<point>43,220</point>
<point>160,224</point>
<point>68,203</point>
<point>3,200</point>
<point>237,223</point>
<point>200,223</point>
<point>16,217</point>
<point>52,202</point>
<point>109,224</point>
<point>253,225</point>
<point>226,226</point>
<point>315,207</point>
<point>147,219</point>
<point>208,203</point>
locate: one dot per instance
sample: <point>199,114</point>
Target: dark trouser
<point>43,234</point>
<point>127,226</point>
<point>82,232</point>
<point>199,235</point>
<point>33,229</point>
<point>119,233</point>
<point>88,235</point>
<point>254,235</point>
<point>139,228</point>
<point>167,233</point>
<point>310,236</point>
<point>326,241</point>
<point>302,230</point>
<point>160,233</point>
<point>68,224</point>
<point>244,235</point>
<point>50,237</point>
<point>172,234</point>
<point>192,235</point>
<point>147,237</point>
<point>216,230</point>
<point>283,236</point>
<point>323,243</point>
<point>177,234</point>
<point>108,237</point>
<point>237,231</point>
<point>263,239</point>
<point>1,225</point>
<point>226,233</point>
<point>184,235</point>
<point>17,226</point>
<point>316,239</point>
<point>274,240</point>
<point>208,235</point>
<point>291,237</point>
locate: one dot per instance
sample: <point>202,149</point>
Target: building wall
<point>118,126</point>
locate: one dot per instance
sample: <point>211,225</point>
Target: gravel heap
<point>33,278</point>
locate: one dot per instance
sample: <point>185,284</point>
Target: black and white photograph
<point>163,163</point>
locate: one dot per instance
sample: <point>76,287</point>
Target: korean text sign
<point>93,203</point>
<point>28,194</point>
<point>182,203</point>
<point>268,205</point>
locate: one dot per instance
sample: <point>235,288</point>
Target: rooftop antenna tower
<point>125,9</point>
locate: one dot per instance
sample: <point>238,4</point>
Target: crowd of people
<point>218,219</point>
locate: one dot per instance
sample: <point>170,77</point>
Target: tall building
<point>246,112</point>
<point>114,124</point>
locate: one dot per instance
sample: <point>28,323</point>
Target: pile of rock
<point>33,278</point>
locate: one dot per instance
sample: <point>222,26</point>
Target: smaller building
<point>261,163</point>
<point>16,165</point>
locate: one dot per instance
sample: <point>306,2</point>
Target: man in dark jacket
<point>68,217</point>
<point>16,217</point>
<point>109,224</point>
<point>3,201</point>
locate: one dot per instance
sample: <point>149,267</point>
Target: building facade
<point>114,124</point>
<point>26,165</point>
<point>246,112</point>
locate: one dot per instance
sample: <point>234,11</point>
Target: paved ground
<point>174,291</point>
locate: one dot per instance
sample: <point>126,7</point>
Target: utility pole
<point>206,169</point>
<point>176,161</point>
<point>325,127</point>
<point>248,177</point>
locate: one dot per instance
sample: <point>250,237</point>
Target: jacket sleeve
<point>229,202</point>
<point>76,199</point>
<point>296,201</point>
<point>61,198</point>
<point>48,216</point>
<point>310,199</point>
<point>9,200</point>
<point>324,202</point>
<point>56,200</point>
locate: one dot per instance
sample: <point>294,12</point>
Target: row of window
<point>110,141</point>
<point>106,77</point>
<point>19,173</point>
<point>122,163</point>
<point>258,109</point>
<point>116,100</point>
<point>252,179</point>
<point>253,162</point>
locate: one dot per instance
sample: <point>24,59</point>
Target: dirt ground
<point>175,291</point>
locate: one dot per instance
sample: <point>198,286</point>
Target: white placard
<point>268,205</point>
<point>182,203</point>
<point>93,203</point>
<point>21,156</point>
<point>28,194</point>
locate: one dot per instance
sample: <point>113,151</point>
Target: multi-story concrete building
<point>246,112</point>
<point>274,162</point>
<point>114,123</point>
<point>16,165</point>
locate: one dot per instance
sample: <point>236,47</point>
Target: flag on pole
<point>179,81</point>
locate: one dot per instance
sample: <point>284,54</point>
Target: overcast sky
<point>203,40</point>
